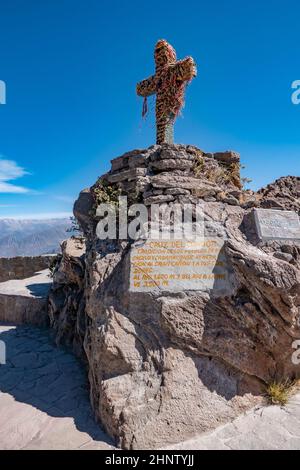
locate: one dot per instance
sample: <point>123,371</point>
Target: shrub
<point>278,392</point>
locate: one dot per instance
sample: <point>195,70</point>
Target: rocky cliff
<point>164,364</point>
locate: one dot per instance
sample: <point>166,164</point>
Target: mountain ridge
<point>32,237</point>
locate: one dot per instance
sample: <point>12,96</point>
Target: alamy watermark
<point>2,92</point>
<point>296,93</point>
<point>158,221</point>
<point>296,354</point>
<point>296,346</point>
<point>2,353</point>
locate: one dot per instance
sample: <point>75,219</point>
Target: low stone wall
<point>18,310</point>
<point>25,300</point>
<point>22,267</point>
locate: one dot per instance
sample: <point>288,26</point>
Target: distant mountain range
<point>32,237</point>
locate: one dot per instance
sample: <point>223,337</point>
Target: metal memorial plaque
<point>272,224</point>
<point>178,265</point>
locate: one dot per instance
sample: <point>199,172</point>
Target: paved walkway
<point>44,401</point>
<point>267,428</point>
<point>44,404</point>
<point>37,285</point>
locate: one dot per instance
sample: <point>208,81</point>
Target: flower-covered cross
<point>169,81</point>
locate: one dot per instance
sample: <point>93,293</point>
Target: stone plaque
<point>178,265</point>
<point>272,224</point>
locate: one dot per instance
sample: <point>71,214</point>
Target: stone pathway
<point>267,428</point>
<point>44,401</point>
<point>44,404</point>
<point>37,285</point>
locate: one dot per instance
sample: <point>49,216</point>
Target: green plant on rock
<point>104,193</point>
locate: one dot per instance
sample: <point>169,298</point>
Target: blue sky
<point>70,68</point>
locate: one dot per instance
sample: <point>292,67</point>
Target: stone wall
<point>164,173</point>
<point>22,267</point>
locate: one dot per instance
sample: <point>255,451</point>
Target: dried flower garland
<point>169,82</point>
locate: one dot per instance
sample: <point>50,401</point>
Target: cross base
<point>165,131</point>
<point>169,133</point>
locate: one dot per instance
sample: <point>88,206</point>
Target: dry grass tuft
<point>278,393</point>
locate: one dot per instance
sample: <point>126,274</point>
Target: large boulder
<point>163,364</point>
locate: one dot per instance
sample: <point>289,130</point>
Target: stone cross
<point>169,81</point>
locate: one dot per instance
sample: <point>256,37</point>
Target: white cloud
<point>9,171</point>
<point>12,188</point>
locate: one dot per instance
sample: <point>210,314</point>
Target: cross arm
<point>146,87</point>
<point>185,69</point>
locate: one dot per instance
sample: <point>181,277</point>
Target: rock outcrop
<point>284,193</point>
<point>166,365</point>
<point>66,299</point>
